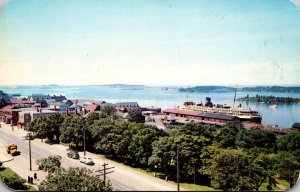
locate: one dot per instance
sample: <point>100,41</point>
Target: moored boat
<point>244,114</point>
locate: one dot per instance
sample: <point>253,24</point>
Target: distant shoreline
<point>272,100</point>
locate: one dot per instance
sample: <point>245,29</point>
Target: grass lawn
<point>263,187</point>
<point>9,172</point>
<point>194,187</point>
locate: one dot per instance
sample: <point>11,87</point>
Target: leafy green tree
<point>228,169</point>
<point>189,150</point>
<point>73,179</point>
<point>46,127</point>
<point>161,153</point>
<point>49,164</point>
<point>140,148</point>
<point>72,130</point>
<point>38,127</point>
<point>108,109</point>
<point>256,138</point>
<point>135,115</point>
<point>92,117</point>
<point>288,167</point>
<point>291,143</point>
<point>226,136</point>
<point>109,137</point>
<point>262,169</point>
<point>53,125</point>
<point>199,129</point>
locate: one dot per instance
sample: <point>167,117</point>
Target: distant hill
<point>207,89</point>
<point>221,89</point>
<point>271,89</point>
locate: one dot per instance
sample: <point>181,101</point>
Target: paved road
<point>123,178</point>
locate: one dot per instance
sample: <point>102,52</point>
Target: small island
<point>270,99</point>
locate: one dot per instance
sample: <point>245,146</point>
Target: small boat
<point>273,106</point>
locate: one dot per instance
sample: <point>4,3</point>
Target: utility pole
<point>104,171</point>
<point>84,141</point>
<point>29,137</point>
<point>177,160</point>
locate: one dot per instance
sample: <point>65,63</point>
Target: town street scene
<point>149,95</point>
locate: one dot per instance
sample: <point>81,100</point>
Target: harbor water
<point>283,115</point>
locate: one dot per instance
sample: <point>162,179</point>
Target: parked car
<point>73,154</point>
<point>87,160</point>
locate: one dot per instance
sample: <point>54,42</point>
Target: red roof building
<point>20,102</point>
<point>92,108</point>
<point>9,114</point>
<point>181,113</point>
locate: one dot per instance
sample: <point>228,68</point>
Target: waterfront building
<point>9,114</point>
<point>21,103</point>
<point>58,98</point>
<point>27,115</point>
<point>38,97</point>
<point>196,115</point>
<point>65,105</point>
<point>124,107</point>
<point>92,108</point>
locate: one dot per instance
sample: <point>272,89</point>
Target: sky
<point>152,42</point>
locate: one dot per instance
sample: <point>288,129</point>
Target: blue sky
<point>150,42</point>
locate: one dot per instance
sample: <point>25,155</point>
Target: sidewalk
<point>17,163</point>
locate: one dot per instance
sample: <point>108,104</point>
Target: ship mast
<point>234,97</point>
<point>187,93</point>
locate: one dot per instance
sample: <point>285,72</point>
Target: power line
<point>104,171</point>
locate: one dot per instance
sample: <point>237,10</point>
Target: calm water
<point>282,115</point>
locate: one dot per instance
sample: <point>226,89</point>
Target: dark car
<point>73,154</point>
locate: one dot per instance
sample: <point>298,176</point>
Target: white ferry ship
<point>244,114</point>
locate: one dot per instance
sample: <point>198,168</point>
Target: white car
<point>86,160</point>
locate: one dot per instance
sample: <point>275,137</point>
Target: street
<point>123,178</point>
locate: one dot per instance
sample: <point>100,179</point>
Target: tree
<point>142,137</point>
<point>228,169</point>
<point>262,169</point>
<point>91,118</point>
<point>73,179</point>
<point>38,127</point>
<point>189,148</point>
<point>72,130</point>
<point>53,125</point>
<point>199,129</point>
<point>46,127</point>
<point>135,115</point>
<point>288,167</point>
<point>108,109</point>
<point>226,136</point>
<point>247,139</point>
<point>49,164</point>
<point>291,143</point>
<point>110,137</point>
